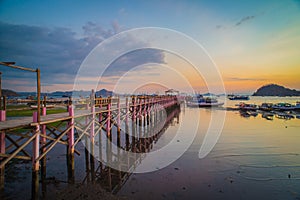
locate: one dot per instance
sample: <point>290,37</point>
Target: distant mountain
<point>275,90</point>
<point>9,93</point>
<point>104,93</point>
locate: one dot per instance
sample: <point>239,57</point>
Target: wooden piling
<point>35,155</point>
<point>2,151</point>
<point>70,147</point>
<point>43,142</point>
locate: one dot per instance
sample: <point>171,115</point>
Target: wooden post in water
<point>43,141</point>
<point>92,136</point>
<point>2,151</point>
<point>0,90</point>
<point>70,151</point>
<point>35,155</point>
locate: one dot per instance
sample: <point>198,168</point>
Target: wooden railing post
<point>92,129</point>
<point>3,110</point>
<point>108,120</point>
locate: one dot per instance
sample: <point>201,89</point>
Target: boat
<point>297,107</point>
<point>244,113</point>
<point>266,106</point>
<point>245,106</point>
<point>267,116</point>
<point>253,113</point>
<point>285,116</point>
<point>284,106</point>
<point>200,101</point>
<point>238,97</point>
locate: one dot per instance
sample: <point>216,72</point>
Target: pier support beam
<point>35,155</point>
<point>43,149</point>
<point>70,151</point>
<point>2,151</point>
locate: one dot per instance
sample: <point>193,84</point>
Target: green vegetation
<point>23,111</point>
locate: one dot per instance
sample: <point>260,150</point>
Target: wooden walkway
<point>96,118</point>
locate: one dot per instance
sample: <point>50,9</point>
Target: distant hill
<point>102,93</point>
<point>275,90</point>
<point>9,93</point>
<point>79,93</point>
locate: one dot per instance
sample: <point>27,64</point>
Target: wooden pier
<point>109,117</point>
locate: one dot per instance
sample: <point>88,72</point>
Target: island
<point>275,90</point>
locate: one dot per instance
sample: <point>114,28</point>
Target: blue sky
<point>252,42</point>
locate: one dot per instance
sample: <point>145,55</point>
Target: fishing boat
<point>200,101</point>
<point>266,106</point>
<point>238,97</point>
<point>283,115</point>
<point>244,114</point>
<point>245,106</point>
<point>283,106</point>
<point>267,116</point>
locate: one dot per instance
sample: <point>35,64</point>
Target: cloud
<point>59,51</point>
<point>245,79</point>
<point>133,59</point>
<point>244,19</point>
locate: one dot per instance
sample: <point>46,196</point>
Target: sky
<point>250,43</point>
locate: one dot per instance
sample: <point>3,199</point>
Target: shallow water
<point>253,158</point>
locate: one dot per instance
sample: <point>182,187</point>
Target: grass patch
<point>24,113</point>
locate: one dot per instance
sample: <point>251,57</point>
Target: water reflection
<point>110,178</point>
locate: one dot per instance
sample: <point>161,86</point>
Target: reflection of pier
<point>101,120</point>
<point>112,179</point>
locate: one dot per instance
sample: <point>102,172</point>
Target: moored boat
<point>283,106</point>
<point>245,106</point>
<point>266,106</point>
<point>200,101</point>
<point>267,116</point>
<point>238,97</point>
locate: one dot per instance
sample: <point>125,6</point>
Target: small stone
<point>176,168</point>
